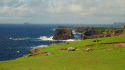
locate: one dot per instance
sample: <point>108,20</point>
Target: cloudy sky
<point>62,11</point>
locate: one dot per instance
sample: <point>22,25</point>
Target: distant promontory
<point>27,23</point>
<point>120,23</point>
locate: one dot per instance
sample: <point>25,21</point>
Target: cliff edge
<point>63,34</point>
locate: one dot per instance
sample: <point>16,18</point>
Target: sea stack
<point>63,34</point>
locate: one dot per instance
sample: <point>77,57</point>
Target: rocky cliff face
<point>96,34</point>
<point>63,34</point>
<point>82,29</point>
<point>92,32</point>
<point>114,32</point>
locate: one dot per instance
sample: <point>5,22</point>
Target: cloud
<point>71,11</point>
<point>13,8</point>
<point>87,7</point>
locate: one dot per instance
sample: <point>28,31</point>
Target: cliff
<point>63,34</point>
<point>82,29</point>
<point>97,34</point>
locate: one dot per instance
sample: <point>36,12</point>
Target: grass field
<point>98,59</point>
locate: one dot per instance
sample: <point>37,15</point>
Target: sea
<point>17,39</point>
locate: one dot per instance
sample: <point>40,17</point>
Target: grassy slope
<point>76,60</point>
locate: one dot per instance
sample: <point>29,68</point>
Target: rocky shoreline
<point>66,33</point>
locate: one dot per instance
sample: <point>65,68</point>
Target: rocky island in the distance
<point>27,23</point>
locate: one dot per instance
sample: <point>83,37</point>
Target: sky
<point>62,11</point>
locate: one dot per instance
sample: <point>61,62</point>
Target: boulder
<point>71,48</point>
<point>49,53</point>
<point>108,49</point>
<point>63,34</point>
<point>84,37</point>
<point>88,50</point>
<point>96,40</point>
<point>34,50</point>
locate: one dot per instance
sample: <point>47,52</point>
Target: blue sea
<point>17,39</point>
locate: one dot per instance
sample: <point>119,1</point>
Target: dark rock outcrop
<point>63,34</point>
<point>63,27</point>
<point>114,32</point>
<point>92,32</point>
<point>82,29</point>
<point>97,34</point>
<point>84,37</point>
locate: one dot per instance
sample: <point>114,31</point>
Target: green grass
<point>74,60</point>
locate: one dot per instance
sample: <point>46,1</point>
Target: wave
<point>42,38</point>
<point>45,38</point>
<point>54,29</point>
<point>19,38</point>
<point>73,31</point>
<point>42,46</point>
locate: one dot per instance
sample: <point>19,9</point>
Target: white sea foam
<point>54,29</point>
<point>46,38</point>
<point>18,38</point>
<point>42,38</point>
<point>18,51</point>
<point>42,46</point>
<point>68,40</point>
<point>73,31</point>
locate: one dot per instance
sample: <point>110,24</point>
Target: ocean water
<point>17,39</point>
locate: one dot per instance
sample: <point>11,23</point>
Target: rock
<point>88,50</point>
<point>107,35</point>
<point>63,34</point>
<point>82,29</point>
<point>84,37</point>
<point>124,26</point>
<point>92,32</point>
<point>49,53</point>
<point>34,50</point>
<point>107,49</point>
<point>96,40</point>
<point>114,32</point>
<point>62,27</point>
<point>29,55</point>
<point>53,44</point>
<point>71,48</point>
